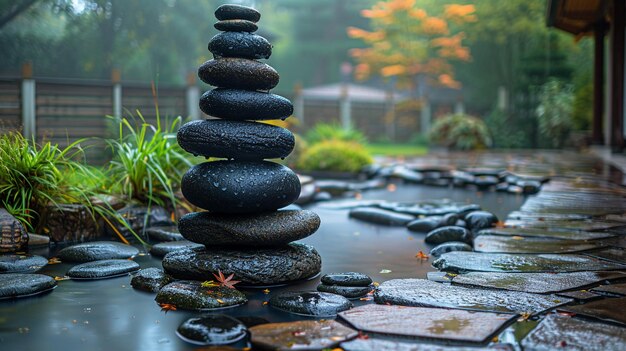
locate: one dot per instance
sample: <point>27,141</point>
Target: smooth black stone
<point>13,263</point>
<point>380,216</point>
<point>251,321</point>
<point>529,186</point>
<point>238,73</point>
<point>479,220</point>
<point>460,223</point>
<point>258,230</point>
<point>240,44</point>
<point>240,186</point>
<point>150,279</point>
<point>347,279</point>
<point>267,266</point>
<point>450,219</point>
<point>97,250</point>
<point>449,247</point>
<point>236,25</point>
<point>310,303</point>
<point>465,210</point>
<point>232,11</point>
<point>165,233</point>
<point>162,249</point>
<point>449,233</point>
<point>212,329</point>
<point>102,269</point>
<point>486,181</point>
<point>425,225</point>
<point>13,285</point>
<point>350,292</point>
<point>240,105</point>
<point>322,196</point>
<point>235,140</point>
<point>191,295</point>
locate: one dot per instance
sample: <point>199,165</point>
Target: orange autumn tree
<point>410,44</point>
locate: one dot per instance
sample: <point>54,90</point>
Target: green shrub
<point>328,131</point>
<point>461,132</point>
<point>505,134</point>
<point>555,111</point>
<point>335,155</point>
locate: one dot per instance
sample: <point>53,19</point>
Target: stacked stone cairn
<point>244,230</point>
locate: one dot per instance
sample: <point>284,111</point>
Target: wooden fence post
<point>425,116</point>
<point>345,108</point>
<point>29,122</point>
<point>116,79</point>
<point>298,103</point>
<point>192,96</point>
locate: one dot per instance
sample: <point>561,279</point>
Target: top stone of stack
<point>236,18</point>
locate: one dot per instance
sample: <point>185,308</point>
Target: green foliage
<point>504,133</point>
<point>395,149</point>
<point>328,131</point>
<point>460,131</point>
<point>555,111</point>
<point>335,155</point>
<point>582,106</point>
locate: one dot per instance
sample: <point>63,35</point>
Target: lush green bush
<point>335,155</point>
<point>328,131</point>
<point>460,131</point>
<point>555,111</point>
<point>504,132</point>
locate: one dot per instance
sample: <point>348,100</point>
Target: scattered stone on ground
<point>449,247</point>
<point>18,263</point>
<point>215,329</point>
<point>310,303</point>
<point>164,233</point>
<point>546,233</point>
<point>97,250</point>
<point>346,279</point>
<point>613,254</point>
<point>102,269</point>
<point>580,295</point>
<point>380,216</point>
<point>447,234</point>
<point>162,249</point>
<point>150,279</point>
<point>372,344</point>
<point>610,310</point>
<point>426,322</point>
<point>13,285</point>
<point>300,335</point>
<point>350,292</point>
<point>512,244</point>
<point>191,295</point>
<point>479,220</point>
<point>425,225</point>
<point>618,289</point>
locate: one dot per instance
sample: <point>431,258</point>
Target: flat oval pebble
<point>213,329</point>
<point>346,279</point>
<point>529,186</point>
<point>240,186</point>
<point>449,247</point>
<point>162,249</point>
<point>150,279</point>
<point>14,263</point>
<point>380,216</point>
<point>300,335</point>
<point>310,303</point>
<point>165,233</point>
<point>259,230</point>
<point>235,140</point>
<point>240,44</point>
<point>13,285</point>
<point>448,233</point>
<point>238,73</point>
<point>191,295</point>
<point>240,105</point>
<point>102,269</point>
<point>424,225</point>
<point>479,220</point>
<point>450,219</point>
<point>232,11</point>
<point>266,266</point>
<point>236,25</point>
<point>97,250</point>
<point>350,292</point>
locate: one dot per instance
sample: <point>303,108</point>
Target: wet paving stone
<point>14,263</point>
<point>150,280</point>
<point>547,233</point>
<point>541,283</point>
<point>519,244</point>
<point>14,285</point>
<point>425,322</point>
<point>618,289</point>
<point>460,262</point>
<point>97,250</point>
<point>191,295</point>
<point>371,344</point>
<point>346,279</point>
<point>350,292</point>
<point>217,329</point>
<point>567,333</point>
<point>610,310</point>
<point>422,292</point>
<point>310,303</point>
<point>300,335</point>
<point>580,295</point>
<point>102,269</point>
<point>613,254</point>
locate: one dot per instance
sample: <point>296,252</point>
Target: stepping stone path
<point>216,329</point>
<point>300,335</point>
<point>102,269</point>
<point>449,246</point>
<point>371,344</point>
<point>243,192</point>
<point>351,285</point>
<point>191,295</point>
<point>380,216</point>
<point>162,249</point>
<point>310,303</point>
<point>150,280</point>
<point>447,234</point>
<point>14,263</point>
<point>611,310</point>
<point>14,285</point>
<point>512,244</point>
<point>97,250</point>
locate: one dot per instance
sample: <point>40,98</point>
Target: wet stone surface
<point>258,230</point>
<point>238,73</point>
<point>165,233</point>
<point>236,25</point>
<point>239,105</point>
<point>240,44</point>
<point>449,233</point>
<point>460,262</point>
<point>503,244</point>
<point>541,283</point>
<point>371,344</point>
<point>347,279</point>
<point>150,279</point>
<point>478,220</point>
<point>574,334</point>
<point>300,335</point>
<point>13,285</point>
<point>611,310</point>
<point>97,250</point>
<point>240,186</point>
<point>613,254</point>
<point>251,266</point>
<point>162,249</point>
<point>449,246</point>
<point>380,216</point>
<point>580,295</point>
<point>350,292</point>
<point>618,289</point>
<point>232,11</point>
<point>102,269</point>
<point>14,263</point>
<point>546,233</point>
<point>216,329</point>
<point>425,322</point>
<point>421,292</point>
<point>310,303</point>
<point>191,295</point>
<point>425,225</point>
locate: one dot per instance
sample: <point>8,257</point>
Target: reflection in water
<point>451,325</point>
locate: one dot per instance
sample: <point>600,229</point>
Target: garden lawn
<point>390,149</point>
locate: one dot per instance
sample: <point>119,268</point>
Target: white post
<point>29,122</point>
<point>298,103</point>
<point>425,115</point>
<point>192,96</point>
<point>390,114</point>
<point>459,107</point>
<point>502,101</point>
<point>345,108</point>
<point>116,78</point>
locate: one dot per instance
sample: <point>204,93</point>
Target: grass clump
<point>335,155</point>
